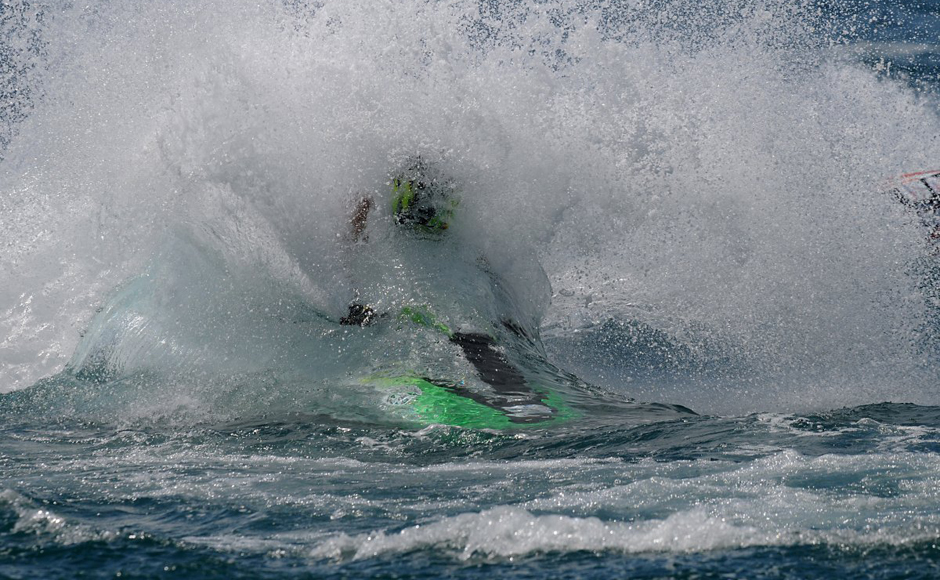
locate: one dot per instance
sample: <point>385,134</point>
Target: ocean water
<point>670,217</point>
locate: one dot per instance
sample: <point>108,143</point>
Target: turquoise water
<point>671,217</point>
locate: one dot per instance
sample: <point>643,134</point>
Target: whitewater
<point>674,219</point>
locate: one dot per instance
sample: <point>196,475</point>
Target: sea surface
<point>673,218</point>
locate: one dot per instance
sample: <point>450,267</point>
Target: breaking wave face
<point>700,182</point>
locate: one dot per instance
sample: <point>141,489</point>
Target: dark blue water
<point>671,215</point>
<point>850,491</point>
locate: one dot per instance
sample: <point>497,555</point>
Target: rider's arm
<point>360,217</point>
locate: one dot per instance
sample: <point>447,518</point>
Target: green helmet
<point>423,201</point>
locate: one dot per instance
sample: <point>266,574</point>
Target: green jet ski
<point>423,205</point>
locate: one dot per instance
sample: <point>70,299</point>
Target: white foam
<point>506,532</point>
<point>702,172</point>
<point>46,524</point>
<point>686,507</point>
